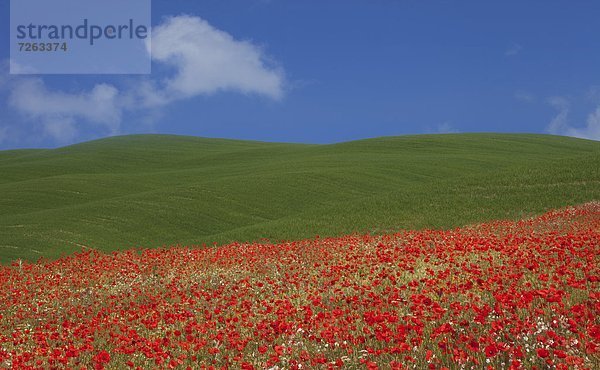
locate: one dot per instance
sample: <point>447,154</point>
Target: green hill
<point>154,190</point>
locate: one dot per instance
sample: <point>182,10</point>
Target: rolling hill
<point>154,190</point>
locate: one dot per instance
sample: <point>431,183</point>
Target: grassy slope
<point>154,190</point>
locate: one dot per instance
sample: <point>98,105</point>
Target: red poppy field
<point>502,295</point>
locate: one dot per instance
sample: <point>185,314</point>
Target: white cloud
<point>446,128</point>
<point>208,60</point>
<point>204,61</point>
<point>525,96</point>
<point>60,112</point>
<point>592,128</point>
<point>3,134</point>
<point>513,49</point>
<point>560,123</point>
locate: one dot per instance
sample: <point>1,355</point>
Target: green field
<point>154,190</point>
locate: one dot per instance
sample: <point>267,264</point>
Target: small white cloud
<point>446,128</point>
<point>559,102</point>
<point>208,60</point>
<point>592,128</point>
<point>3,134</point>
<point>525,96</point>
<point>513,49</point>
<point>147,95</point>
<point>59,111</point>
<point>560,123</point>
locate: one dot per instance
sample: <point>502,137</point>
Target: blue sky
<point>328,71</point>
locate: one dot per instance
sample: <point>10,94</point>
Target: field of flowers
<point>503,295</point>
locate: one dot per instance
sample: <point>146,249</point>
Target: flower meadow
<point>501,295</point>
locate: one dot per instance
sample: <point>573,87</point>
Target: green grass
<point>154,190</point>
